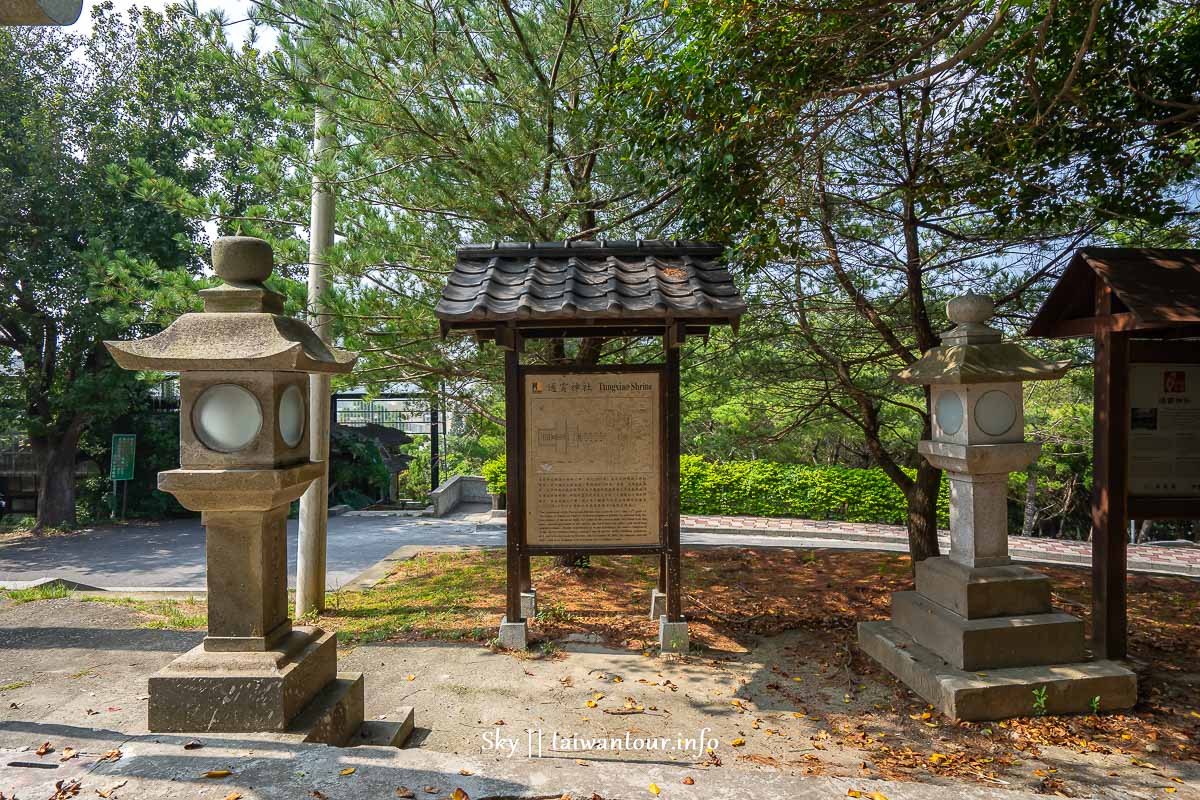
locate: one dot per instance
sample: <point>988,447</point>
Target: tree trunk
<point>56,481</point>
<point>922,513</point>
<point>1143,531</point>
<point>1031,509</point>
<point>1196,531</point>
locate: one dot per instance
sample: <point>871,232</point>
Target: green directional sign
<point>123,446</point>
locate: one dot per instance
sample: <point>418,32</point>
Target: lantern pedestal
<point>979,638</point>
<point>244,455</point>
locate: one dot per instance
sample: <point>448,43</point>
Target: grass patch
<point>9,687</point>
<point>47,591</point>
<point>168,614</point>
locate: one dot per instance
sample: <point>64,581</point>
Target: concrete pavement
<point>171,554</point>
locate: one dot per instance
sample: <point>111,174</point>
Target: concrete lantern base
<point>998,693</point>
<point>976,642</point>
<point>291,688</point>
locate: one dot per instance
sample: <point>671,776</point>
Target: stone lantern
<point>979,638</point>
<point>244,452</point>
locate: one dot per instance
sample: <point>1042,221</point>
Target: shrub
<point>767,489</point>
<point>495,472</point>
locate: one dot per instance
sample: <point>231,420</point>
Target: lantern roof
<point>241,327</point>
<point>973,352</point>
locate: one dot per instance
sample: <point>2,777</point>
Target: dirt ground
<point>778,684</point>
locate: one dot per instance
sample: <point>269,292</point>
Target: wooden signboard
<point>593,457</point>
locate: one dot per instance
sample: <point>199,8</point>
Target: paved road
<point>171,554</point>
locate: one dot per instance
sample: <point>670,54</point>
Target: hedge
<point>767,489</point>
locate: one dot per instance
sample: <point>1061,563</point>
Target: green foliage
<point>358,474</point>
<point>1039,701</point>
<point>766,489</point>
<point>761,488</point>
<point>495,472</point>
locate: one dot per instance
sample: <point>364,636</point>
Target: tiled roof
<point>621,281</point>
<point>1159,286</point>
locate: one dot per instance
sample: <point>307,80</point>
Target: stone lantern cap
<point>241,327</point>
<point>972,352</point>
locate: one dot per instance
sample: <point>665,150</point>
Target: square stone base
<point>658,604</point>
<point>999,693</point>
<point>513,635</point>
<point>529,604</point>
<point>992,642</point>
<point>243,692</point>
<point>976,593</point>
<point>672,636</point>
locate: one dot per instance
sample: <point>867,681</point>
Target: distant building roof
<point>1157,286</point>
<point>594,283</point>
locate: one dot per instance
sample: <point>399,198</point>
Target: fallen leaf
<point>498,722</point>
<point>654,789</point>
<point>69,753</point>
<point>404,791</point>
<point>411,677</point>
<point>938,759</point>
<point>65,789</point>
<point>617,679</point>
<point>590,703</point>
<point>464,772</point>
<point>347,771</point>
<point>194,744</point>
<point>217,773</point>
<point>877,796</point>
<point>106,793</point>
<point>234,795</point>
<point>853,793</point>
<point>459,794</point>
<point>1170,790</point>
<point>737,742</point>
<point>431,790</point>
<point>688,781</point>
<point>45,748</point>
<point>319,795</point>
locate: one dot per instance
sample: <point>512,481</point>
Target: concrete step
<point>980,592</point>
<point>991,643</point>
<point>335,715</point>
<point>1002,693</point>
<point>386,733</point>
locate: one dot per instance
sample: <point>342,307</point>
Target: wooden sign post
<point>593,453</point>
<point>1142,308</point>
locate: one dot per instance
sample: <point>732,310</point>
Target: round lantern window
<point>226,417</point>
<point>949,413</point>
<point>995,413</point>
<point>291,416</point>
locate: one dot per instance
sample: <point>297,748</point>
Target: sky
<point>235,11</point>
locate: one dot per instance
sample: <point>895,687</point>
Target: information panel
<point>1164,430</point>
<point>593,459</point>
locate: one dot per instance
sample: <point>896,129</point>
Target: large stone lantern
<point>979,638</point>
<point>243,373</point>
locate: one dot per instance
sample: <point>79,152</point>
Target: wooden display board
<point>593,458</point>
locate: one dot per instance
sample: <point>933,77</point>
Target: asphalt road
<point>171,554</point>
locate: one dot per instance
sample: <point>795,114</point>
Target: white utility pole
<point>314,504</point>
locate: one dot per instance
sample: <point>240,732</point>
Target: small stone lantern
<point>243,373</point>
<point>975,610</point>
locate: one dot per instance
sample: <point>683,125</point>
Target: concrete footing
<point>513,635</point>
<point>292,688</point>
<point>672,636</point>
<point>992,642</point>
<point>529,604</point>
<point>658,604</point>
<point>387,733</point>
<point>999,693</point>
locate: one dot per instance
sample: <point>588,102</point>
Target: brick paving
<point>1168,559</point>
